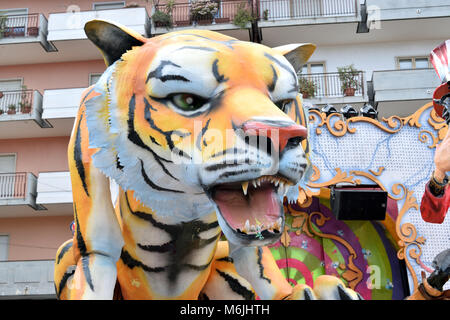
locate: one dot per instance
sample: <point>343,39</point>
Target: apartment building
<point>46,62</point>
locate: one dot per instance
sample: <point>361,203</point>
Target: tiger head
<point>196,121</point>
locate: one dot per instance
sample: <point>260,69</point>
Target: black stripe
<point>77,154</point>
<point>236,286</point>
<point>133,136</point>
<point>225,259</point>
<point>215,70</point>
<point>166,134</point>
<point>81,245</point>
<point>220,166</point>
<point>185,239</point>
<point>87,271</point>
<point>343,295</point>
<point>63,282</point>
<point>173,77</point>
<point>282,65</point>
<point>63,251</point>
<point>201,134</point>
<point>274,79</point>
<point>166,247</point>
<point>308,294</point>
<point>236,173</point>
<point>131,263</point>
<point>197,48</point>
<point>152,184</point>
<point>157,73</point>
<point>231,150</point>
<point>261,268</point>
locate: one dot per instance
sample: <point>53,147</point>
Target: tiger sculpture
<point>185,136</point>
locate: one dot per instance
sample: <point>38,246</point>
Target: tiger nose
<point>279,133</point>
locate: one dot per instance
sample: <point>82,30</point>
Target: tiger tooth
<point>254,183</point>
<point>245,187</point>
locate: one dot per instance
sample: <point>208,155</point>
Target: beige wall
<point>38,155</point>
<point>54,75</point>
<point>35,238</point>
<point>55,6</point>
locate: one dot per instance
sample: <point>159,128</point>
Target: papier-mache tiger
<point>186,136</point>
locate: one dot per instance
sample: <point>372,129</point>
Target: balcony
<point>26,36</point>
<point>21,114</point>
<point>181,17</point>
<point>282,21</point>
<point>402,92</point>
<point>60,107</point>
<point>27,279</point>
<point>406,9</point>
<point>329,88</point>
<point>393,20</point>
<point>66,30</point>
<point>18,194</point>
<point>54,192</point>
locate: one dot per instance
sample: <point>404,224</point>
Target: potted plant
<point>162,19</point>
<point>307,87</point>
<point>11,109</point>
<point>3,27</point>
<point>242,17</point>
<point>1,112</point>
<point>266,14</point>
<point>25,107</point>
<point>348,76</point>
<point>203,11</point>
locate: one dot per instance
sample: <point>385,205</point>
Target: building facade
<point>46,61</point>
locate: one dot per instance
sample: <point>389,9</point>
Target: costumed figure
<point>201,133</point>
<point>436,199</point>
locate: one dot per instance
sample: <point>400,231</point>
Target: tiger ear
<point>112,39</point>
<point>297,54</point>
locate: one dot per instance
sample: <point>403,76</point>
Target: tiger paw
<point>325,288</point>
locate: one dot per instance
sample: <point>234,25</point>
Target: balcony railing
<point>289,9</point>
<point>181,13</point>
<point>332,84</point>
<point>16,102</point>
<point>25,25</point>
<point>13,185</point>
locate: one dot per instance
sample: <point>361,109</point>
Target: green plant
<point>12,107</point>
<point>2,25</point>
<point>242,17</point>
<point>266,14</point>
<point>307,87</point>
<point>203,9</point>
<point>348,76</point>
<point>162,19</point>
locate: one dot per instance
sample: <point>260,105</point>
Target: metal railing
<point>181,13</point>
<point>331,84</point>
<point>16,102</point>
<point>24,25</point>
<point>288,9</point>
<point>13,185</point>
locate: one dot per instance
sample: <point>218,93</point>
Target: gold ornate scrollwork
<point>353,275</point>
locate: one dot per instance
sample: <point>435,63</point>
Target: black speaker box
<point>358,203</point>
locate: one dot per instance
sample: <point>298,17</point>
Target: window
<point>4,243</point>
<point>93,78</point>
<point>9,85</point>
<point>313,67</point>
<point>413,63</point>
<point>7,163</point>
<point>108,5</point>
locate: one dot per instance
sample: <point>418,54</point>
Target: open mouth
<point>253,210</point>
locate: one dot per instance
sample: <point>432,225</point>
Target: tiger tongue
<point>260,206</point>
